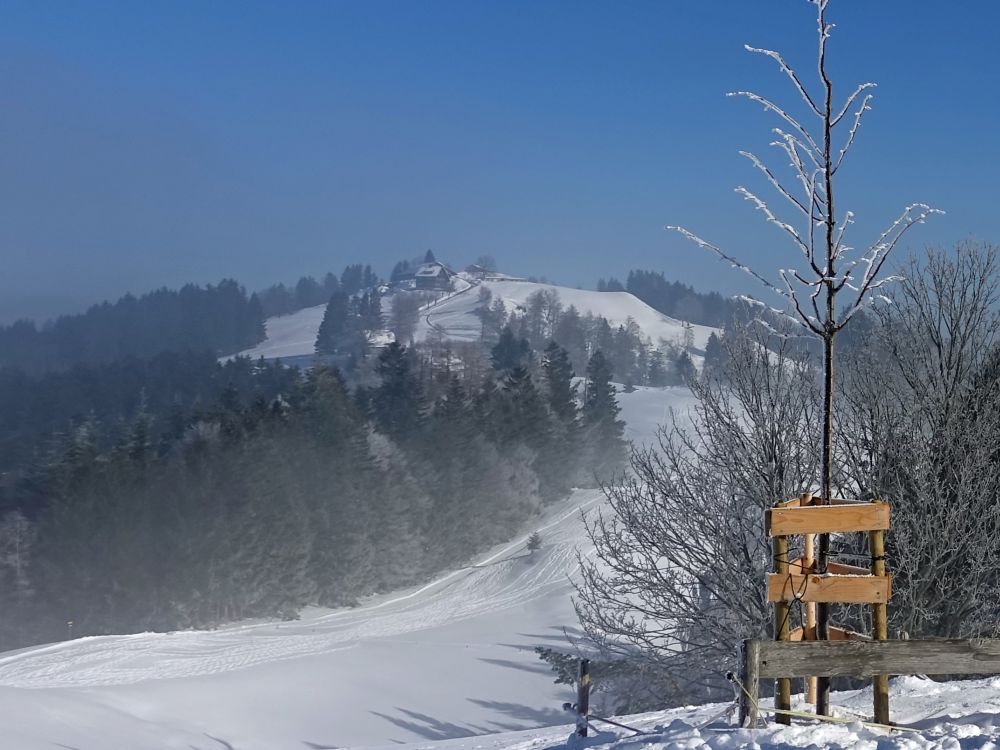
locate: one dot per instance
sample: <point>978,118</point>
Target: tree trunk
<point>823,609</point>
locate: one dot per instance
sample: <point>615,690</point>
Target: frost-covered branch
<point>850,101</point>
<point>774,181</point>
<point>784,226</point>
<point>879,252</point>
<point>805,319</point>
<point>813,150</point>
<point>854,131</point>
<point>705,245</point>
<point>838,244</point>
<point>787,70</point>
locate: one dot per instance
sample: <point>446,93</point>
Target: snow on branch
<point>787,70</point>
<point>838,245</point>
<point>850,101</point>
<point>784,226</point>
<point>791,145</point>
<point>878,253</point>
<point>853,132</point>
<point>805,319</point>
<point>705,245</point>
<point>774,181</point>
<point>754,302</point>
<point>772,107</point>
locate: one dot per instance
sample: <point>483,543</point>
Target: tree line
<point>168,387</point>
<point>279,299</point>
<point>677,300</point>
<point>257,504</point>
<point>220,318</point>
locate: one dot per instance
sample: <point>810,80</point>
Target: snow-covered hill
<point>454,317</point>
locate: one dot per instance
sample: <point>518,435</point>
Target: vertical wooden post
<point>750,679</point>
<point>808,558</point>
<point>583,698</point>
<point>782,630</point>
<point>880,624</point>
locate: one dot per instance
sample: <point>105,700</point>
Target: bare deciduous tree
<point>404,314</point>
<point>922,425</point>
<point>678,576</point>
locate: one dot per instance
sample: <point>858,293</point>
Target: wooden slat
<point>840,569</point>
<point>795,502</point>
<point>800,565</point>
<point>867,659</point>
<point>827,519</point>
<point>808,500</point>
<point>787,587</point>
<point>836,634</point>
<point>837,501</point>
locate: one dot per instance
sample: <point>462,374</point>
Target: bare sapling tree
<point>837,280</point>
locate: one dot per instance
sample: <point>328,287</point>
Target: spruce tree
<point>604,431</point>
<point>657,371</point>
<point>510,352</point>
<point>559,385</point>
<point>563,453</point>
<point>398,402</point>
<point>715,355</point>
<point>686,371</point>
<point>333,328</point>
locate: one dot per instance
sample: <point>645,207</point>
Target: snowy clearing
<point>457,320</point>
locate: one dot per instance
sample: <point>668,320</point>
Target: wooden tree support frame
<point>799,581</point>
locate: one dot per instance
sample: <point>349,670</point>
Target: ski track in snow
<point>504,580</point>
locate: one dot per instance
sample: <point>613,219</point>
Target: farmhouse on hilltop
<point>434,277</point>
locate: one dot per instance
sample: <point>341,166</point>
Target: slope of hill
<point>291,335</point>
<point>450,659</point>
<point>454,317</point>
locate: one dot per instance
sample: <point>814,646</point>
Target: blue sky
<point>153,143</point>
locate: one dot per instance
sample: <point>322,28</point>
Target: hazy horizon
<point>171,143</point>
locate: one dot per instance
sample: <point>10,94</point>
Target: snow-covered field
<point>447,666</point>
<point>949,716</point>
<point>454,317</point>
<point>289,335</point>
